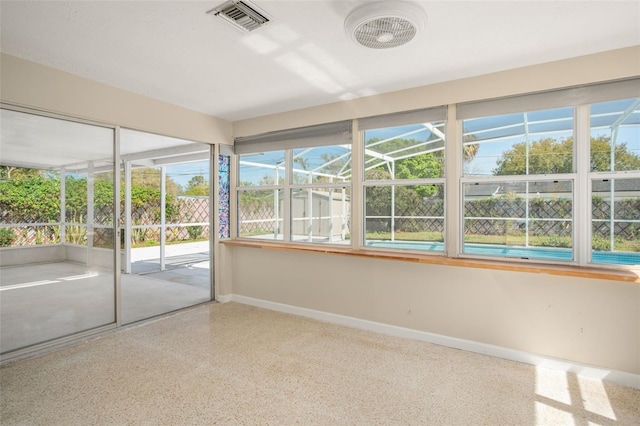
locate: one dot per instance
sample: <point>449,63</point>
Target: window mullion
<point>582,203</point>
<point>454,222</point>
<point>357,190</point>
<point>286,203</point>
<point>520,178</point>
<point>234,180</point>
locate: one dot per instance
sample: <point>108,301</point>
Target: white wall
<point>590,321</point>
<point>612,65</point>
<point>28,84</point>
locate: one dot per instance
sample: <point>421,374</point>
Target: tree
<point>197,186</point>
<point>334,163</point>
<point>469,150</point>
<point>419,167</point>
<point>545,156</point>
<point>548,156</point>
<point>601,156</point>
<point>150,178</point>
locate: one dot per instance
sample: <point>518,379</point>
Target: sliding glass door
<point>86,246</point>
<point>57,234</point>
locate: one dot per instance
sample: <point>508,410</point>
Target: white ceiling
<point>175,52</point>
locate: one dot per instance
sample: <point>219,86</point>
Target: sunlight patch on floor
<point>595,398</point>
<point>559,393</point>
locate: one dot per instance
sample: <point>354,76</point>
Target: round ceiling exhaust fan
<point>385,24</point>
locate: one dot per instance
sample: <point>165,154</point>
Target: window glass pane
<point>29,206</point>
<point>615,223</point>
<point>405,217</point>
<point>524,219</point>
<point>260,214</point>
<point>103,209</point>
<point>166,260</point>
<point>266,168</point>
<point>76,208</point>
<point>615,136</point>
<point>405,152</point>
<point>190,204</point>
<point>322,164</point>
<point>320,215</point>
<point>538,142</point>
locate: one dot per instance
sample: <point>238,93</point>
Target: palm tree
<point>469,150</point>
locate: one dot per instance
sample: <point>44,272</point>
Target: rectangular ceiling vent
<point>241,14</point>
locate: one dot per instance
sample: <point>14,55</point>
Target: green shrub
<point>194,232</point>
<point>7,235</point>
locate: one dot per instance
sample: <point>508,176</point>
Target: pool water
<point>617,258</point>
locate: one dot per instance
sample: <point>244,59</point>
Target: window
<point>260,195</point>
<point>518,184</point>
<point>615,182</point>
<point>551,176</point>
<point>295,185</point>
<point>529,178</point>
<point>320,201</point>
<point>403,157</point>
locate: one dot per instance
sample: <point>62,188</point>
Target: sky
<point>182,173</point>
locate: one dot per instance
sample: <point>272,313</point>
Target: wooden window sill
<point>627,274</point>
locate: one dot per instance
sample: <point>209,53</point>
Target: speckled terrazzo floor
<point>236,364</point>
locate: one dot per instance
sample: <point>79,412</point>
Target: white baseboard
<point>613,376</point>
<point>224,298</point>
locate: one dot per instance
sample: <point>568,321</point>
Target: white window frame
<point>590,176</point>
<point>430,115</point>
<point>330,134</point>
<point>581,99</point>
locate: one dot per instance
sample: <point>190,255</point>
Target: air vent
<point>241,14</point>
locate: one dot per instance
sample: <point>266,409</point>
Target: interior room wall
<point>591,321</point>
<point>605,66</point>
<point>27,84</point>
<point>586,320</point>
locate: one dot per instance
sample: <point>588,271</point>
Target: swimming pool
<point>551,253</point>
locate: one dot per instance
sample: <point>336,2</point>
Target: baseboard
<point>224,298</point>
<point>613,376</point>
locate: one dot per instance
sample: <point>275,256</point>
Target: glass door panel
<point>166,224</point>
<point>57,275</point>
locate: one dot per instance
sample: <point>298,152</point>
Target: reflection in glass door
<point>57,275</point>
<point>166,218</point>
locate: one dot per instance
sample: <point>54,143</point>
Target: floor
<point>41,302</point>
<point>233,364</point>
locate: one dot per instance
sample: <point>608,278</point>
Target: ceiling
<point>174,51</point>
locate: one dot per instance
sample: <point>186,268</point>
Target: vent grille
<point>384,33</point>
<point>241,15</point>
